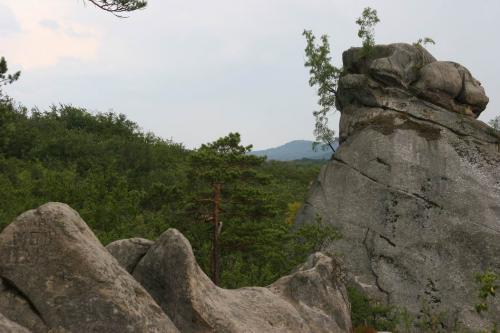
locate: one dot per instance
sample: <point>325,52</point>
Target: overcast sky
<point>196,70</point>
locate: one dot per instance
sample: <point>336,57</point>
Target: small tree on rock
<point>325,76</point>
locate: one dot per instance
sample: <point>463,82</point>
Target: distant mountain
<point>296,150</point>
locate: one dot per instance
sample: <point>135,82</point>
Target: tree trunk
<point>217,227</point>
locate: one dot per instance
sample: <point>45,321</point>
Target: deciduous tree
<point>324,75</point>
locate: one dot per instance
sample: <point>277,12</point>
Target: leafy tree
<point>119,6</point>
<point>325,77</point>
<point>366,30</point>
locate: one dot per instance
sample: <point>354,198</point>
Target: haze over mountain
<point>296,150</point>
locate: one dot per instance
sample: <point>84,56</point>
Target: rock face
<point>17,308</point>
<point>313,299</point>
<point>316,289</point>
<point>414,187</point>
<point>129,252</point>
<point>56,268</point>
<point>8,326</point>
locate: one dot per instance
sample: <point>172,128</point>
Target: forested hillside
<point>128,183</point>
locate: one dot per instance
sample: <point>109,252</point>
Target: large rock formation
<point>312,299</point>
<point>414,187</point>
<point>58,275</point>
<point>55,277</point>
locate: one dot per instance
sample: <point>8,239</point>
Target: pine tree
<point>225,188</point>
<point>6,78</point>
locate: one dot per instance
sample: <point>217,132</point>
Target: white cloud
<point>196,70</point>
<point>47,33</point>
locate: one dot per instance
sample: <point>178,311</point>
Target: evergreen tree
<point>222,176</point>
<point>6,78</point>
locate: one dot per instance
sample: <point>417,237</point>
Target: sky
<point>193,70</point>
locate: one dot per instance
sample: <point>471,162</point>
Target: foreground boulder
<point>51,258</point>
<point>414,187</point>
<point>313,299</point>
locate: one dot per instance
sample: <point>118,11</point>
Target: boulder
<point>129,252</point>
<point>8,326</point>
<point>171,275</point>
<point>408,70</point>
<point>394,64</point>
<point>55,261</point>
<point>451,86</point>
<point>414,189</point>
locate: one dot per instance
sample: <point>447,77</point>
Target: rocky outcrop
<point>313,299</point>
<point>56,277</point>
<point>129,252</point>
<point>54,263</point>
<point>414,187</point>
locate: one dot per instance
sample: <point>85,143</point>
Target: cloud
<point>49,24</point>
<point>8,22</point>
<point>196,70</point>
<point>48,32</point>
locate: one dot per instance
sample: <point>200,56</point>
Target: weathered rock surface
<point>129,252</point>
<point>8,326</point>
<point>17,308</point>
<point>414,187</point>
<point>51,258</point>
<point>316,289</point>
<point>171,275</point>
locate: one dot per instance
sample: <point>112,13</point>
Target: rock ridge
<point>56,277</point>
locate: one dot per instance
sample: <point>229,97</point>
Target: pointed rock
<point>53,258</point>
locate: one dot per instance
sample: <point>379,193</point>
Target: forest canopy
<point>126,183</point>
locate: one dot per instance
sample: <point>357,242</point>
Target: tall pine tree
<point>225,188</point>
